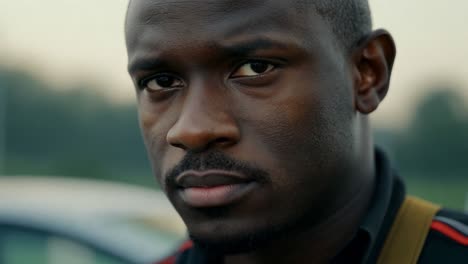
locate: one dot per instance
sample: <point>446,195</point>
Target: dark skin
<point>272,88</point>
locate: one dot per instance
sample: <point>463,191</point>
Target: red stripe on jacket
<point>172,259</point>
<point>450,232</point>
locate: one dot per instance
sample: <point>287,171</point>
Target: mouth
<point>213,188</point>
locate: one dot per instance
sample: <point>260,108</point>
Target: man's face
<point>246,109</point>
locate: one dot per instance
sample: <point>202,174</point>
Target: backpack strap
<point>408,233</point>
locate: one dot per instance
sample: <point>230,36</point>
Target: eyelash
<point>142,84</point>
<point>252,61</point>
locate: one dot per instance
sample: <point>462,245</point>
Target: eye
<point>253,68</point>
<point>161,82</point>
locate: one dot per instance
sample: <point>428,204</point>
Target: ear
<point>373,61</point>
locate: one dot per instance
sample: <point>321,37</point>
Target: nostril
<point>222,141</point>
<point>178,145</point>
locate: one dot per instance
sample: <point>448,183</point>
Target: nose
<point>204,122</point>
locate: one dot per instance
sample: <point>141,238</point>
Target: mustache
<point>214,160</point>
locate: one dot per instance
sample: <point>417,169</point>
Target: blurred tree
<point>435,143</point>
<point>70,132</point>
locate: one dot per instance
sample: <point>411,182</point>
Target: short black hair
<point>350,20</point>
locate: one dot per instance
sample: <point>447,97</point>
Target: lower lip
<point>215,196</point>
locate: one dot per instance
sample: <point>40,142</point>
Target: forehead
<point>153,24</point>
<point>206,12</point>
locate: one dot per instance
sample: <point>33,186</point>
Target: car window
<point>21,246</point>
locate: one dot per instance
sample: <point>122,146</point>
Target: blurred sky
<point>66,41</point>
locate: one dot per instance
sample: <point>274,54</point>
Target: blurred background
<point>67,106</point>
<point>71,155</point>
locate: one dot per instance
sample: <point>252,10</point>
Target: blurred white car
<point>74,221</point>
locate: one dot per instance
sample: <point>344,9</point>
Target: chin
<point>231,244</point>
<point>235,239</point>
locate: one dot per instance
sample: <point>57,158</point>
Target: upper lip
<point>209,178</point>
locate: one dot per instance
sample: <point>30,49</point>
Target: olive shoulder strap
<point>408,232</point>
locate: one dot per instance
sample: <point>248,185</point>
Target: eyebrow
<point>240,49</point>
<point>249,47</point>
<point>145,64</point>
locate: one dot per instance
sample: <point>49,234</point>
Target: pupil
<point>259,67</point>
<point>165,81</point>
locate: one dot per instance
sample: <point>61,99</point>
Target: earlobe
<point>373,62</point>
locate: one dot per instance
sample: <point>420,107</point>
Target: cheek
<point>289,121</point>
<point>155,122</point>
<point>151,127</point>
<point>309,106</point>
<point>304,129</point>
